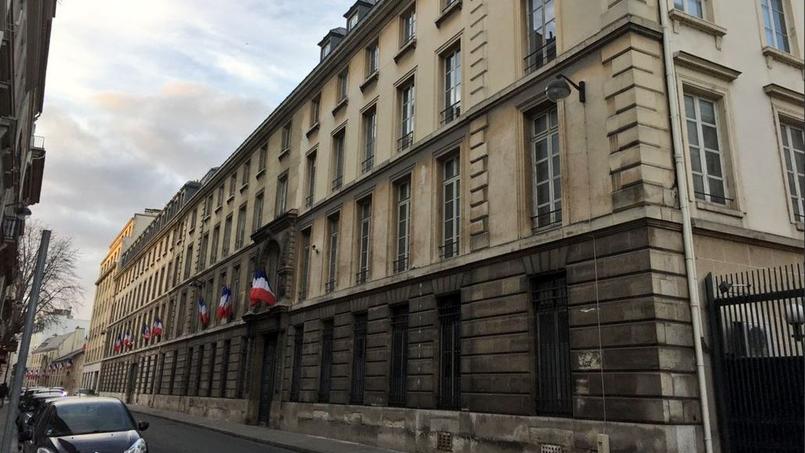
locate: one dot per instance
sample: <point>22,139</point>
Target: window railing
<point>719,199</point>
<point>337,182</point>
<point>329,286</point>
<point>451,113</point>
<point>540,56</point>
<point>309,201</point>
<point>367,164</point>
<point>546,219</point>
<point>405,141</point>
<point>362,276</point>
<point>407,39</point>
<point>449,249</point>
<point>400,264</point>
<point>37,142</point>
<point>12,228</point>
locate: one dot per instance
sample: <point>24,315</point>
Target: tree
<point>60,291</point>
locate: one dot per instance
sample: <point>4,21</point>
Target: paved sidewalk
<point>302,443</point>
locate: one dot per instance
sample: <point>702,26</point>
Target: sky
<point>143,96</point>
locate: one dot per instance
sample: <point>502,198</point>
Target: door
<point>131,382</point>
<point>267,378</point>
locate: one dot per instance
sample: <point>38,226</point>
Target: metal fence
<point>756,321</point>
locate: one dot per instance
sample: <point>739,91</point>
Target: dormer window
<point>352,22</point>
<point>325,50</point>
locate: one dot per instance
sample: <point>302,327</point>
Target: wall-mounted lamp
<point>559,88</point>
<point>795,317</point>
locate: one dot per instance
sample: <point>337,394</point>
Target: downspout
<point>687,227</point>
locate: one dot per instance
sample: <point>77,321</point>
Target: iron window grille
<point>296,372</point>
<point>362,276</point>
<point>451,113</point>
<point>309,201</point>
<point>450,353</point>
<point>399,356</point>
<point>329,286</point>
<point>405,141</point>
<point>547,219</point>
<point>326,372</point>
<point>12,228</point>
<point>400,264</point>
<point>337,182</point>
<point>554,378</point>
<point>358,359</point>
<point>367,164</point>
<point>449,249</point>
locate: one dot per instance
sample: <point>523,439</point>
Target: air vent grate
<point>550,448</point>
<point>444,441</point>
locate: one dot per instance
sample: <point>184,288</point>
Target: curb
<point>272,443</point>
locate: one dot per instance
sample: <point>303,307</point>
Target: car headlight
<point>43,450</point>
<point>137,447</point>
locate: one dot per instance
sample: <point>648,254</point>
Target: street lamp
<point>795,317</point>
<point>559,88</point>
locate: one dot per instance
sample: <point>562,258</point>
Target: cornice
<point>690,61</point>
<point>784,94</point>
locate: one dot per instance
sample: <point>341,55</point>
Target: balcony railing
<point>718,199</point>
<point>367,164</point>
<point>400,264</point>
<point>541,56</point>
<point>309,201</point>
<point>449,249</point>
<point>37,142</point>
<point>329,286</point>
<point>405,141</point>
<point>12,228</point>
<point>451,113</point>
<point>337,182</point>
<point>547,218</point>
<point>362,276</point>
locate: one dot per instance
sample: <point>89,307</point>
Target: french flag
<point>118,344</point>
<point>261,290</point>
<point>127,340</point>
<point>203,313</point>
<point>146,332</point>
<point>224,310</point>
<point>156,331</point>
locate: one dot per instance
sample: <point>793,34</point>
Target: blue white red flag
<point>146,332</point>
<point>224,310</point>
<point>203,313</point>
<point>128,340</point>
<point>261,290</point>
<point>156,331</point>
<point>118,343</point>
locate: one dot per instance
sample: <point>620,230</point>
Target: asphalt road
<point>166,436</point>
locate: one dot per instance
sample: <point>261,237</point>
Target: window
<point>311,179</point>
<point>794,150</point>
<point>338,160</point>
<point>282,195</point>
<point>541,34</point>
<point>240,233</point>
<point>172,381</point>
<point>402,193</point>
<point>451,206</point>
<point>315,107</point>
<point>372,59</point>
<point>304,275</point>
<point>554,379</point>
<point>188,261</point>
<point>692,7</point>
<point>208,206</point>
<point>451,64</point>
<point>450,352</point>
<point>211,369</point>
<point>343,84</point>
<point>369,139</point>
<point>243,367</point>
<point>220,196</point>
<point>227,236</point>
<point>325,50</point>
<point>547,190</point>
<point>286,138</point>
<point>399,356</point>
<point>199,363</point>
<point>296,372</point>
<point>326,370</point>
<point>364,239</point>
<point>774,24</point>
<point>224,368</point>
<point>262,157</point>
<point>332,251</point>
<point>245,175</point>
<point>352,22</point>
<point>705,150</point>
<point>235,289</point>
<point>257,221</point>
<point>408,26</point>
<point>407,93</point>
<point>202,254</point>
<point>358,359</point>
<point>216,234</point>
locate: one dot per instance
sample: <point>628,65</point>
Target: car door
<point>40,438</point>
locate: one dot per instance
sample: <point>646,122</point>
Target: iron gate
<point>758,358</point>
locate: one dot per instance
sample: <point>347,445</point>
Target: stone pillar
<point>478,62</point>
<point>479,181</point>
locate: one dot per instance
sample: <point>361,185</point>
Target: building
<point>66,371</point>
<point>105,291</point>
<point>464,263</point>
<point>48,359</point>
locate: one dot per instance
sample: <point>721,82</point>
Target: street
<point>166,436</point>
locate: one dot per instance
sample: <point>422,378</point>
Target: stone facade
<point>507,320</point>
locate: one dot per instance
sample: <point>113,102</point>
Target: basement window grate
<point>551,448</point>
<point>444,441</point>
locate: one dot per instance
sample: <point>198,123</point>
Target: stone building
<point>24,43</point>
<point>464,262</point>
<point>105,290</point>
<point>46,362</point>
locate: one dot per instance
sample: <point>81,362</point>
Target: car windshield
<point>89,418</point>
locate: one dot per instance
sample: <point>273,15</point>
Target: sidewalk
<point>302,443</point>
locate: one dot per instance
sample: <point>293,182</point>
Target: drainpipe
<point>687,227</point>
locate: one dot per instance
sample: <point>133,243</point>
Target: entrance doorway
<point>131,383</point>
<point>267,369</point>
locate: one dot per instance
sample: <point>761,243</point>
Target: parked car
<point>31,407</point>
<point>86,392</point>
<point>72,424</point>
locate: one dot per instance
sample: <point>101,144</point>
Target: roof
<point>366,3</point>
<point>52,343</point>
<point>340,32</point>
<point>70,355</point>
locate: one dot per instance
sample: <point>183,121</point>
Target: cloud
<point>144,96</point>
